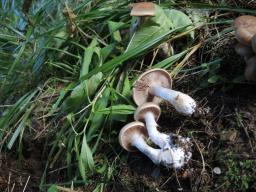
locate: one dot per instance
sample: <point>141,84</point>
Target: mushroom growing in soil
<point>149,113</point>
<point>155,85</point>
<point>133,136</point>
<point>250,70</point>
<point>245,29</point>
<point>143,9</point>
<point>244,51</point>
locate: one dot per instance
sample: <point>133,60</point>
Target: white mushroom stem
<point>160,139</point>
<point>183,103</point>
<point>143,147</point>
<point>175,157</point>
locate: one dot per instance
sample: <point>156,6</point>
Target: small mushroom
<point>133,136</point>
<point>245,28</point>
<point>142,9</point>
<point>155,85</point>
<point>244,51</point>
<point>254,43</point>
<point>149,113</point>
<point>250,70</point>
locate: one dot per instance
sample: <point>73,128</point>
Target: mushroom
<point>155,85</point>
<point>254,43</point>
<point>245,28</point>
<point>250,70</point>
<point>149,113</point>
<point>133,135</point>
<point>244,51</point>
<point>142,9</point>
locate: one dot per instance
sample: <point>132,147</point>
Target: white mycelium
<point>174,157</point>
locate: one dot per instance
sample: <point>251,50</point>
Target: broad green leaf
<point>151,28</point>
<point>114,30</point>
<point>179,19</point>
<point>83,91</point>
<point>93,83</point>
<point>88,52</point>
<point>126,87</point>
<point>86,156</point>
<point>78,96</point>
<point>118,109</point>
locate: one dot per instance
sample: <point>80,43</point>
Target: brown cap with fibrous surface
<point>128,132</point>
<point>245,28</point>
<point>143,9</point>
<point>147,107</point>
<point>250,70</point>
<point>254,43</point>
<point>244,51</point>
<point>153,77</point>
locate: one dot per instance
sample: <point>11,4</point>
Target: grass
<point>67,70</point>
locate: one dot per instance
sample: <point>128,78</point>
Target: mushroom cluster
<point>149,90</point>
<point>245,31</point>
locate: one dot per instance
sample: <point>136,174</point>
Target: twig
<point>202,157</point>
<point>9,179</point>
<point>13,187</point>
<point>177,179</point>
<point>65,189</point>
<point>26,184</point>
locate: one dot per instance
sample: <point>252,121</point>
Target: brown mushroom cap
<point>153,77</point>
<point>127,133</point>
<point>254,43</point>
<point>245,28</point>
<point>147,107</point>
<point>244,51</point>
<point>143,9</point>
<point>250,70</point>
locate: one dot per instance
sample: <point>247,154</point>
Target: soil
<point>23,175</point>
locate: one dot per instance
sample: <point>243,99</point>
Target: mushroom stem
<point>160,139</point>
<point>143,147</point>
<point>174,157</point>
<point>183,103</point>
